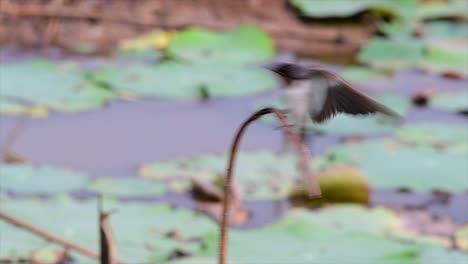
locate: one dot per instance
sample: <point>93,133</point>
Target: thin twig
<point>67,244</point>
<point>304,155</point>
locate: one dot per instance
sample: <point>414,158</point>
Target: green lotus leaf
<point>28,86</point>
<point>437,255</point>
<point>142,231</point>
<point>461,238</point>
<point>127,187</point>
<point>444,30</point>
<point>445,9</point>
<point>448,57</point>
<point>433,134</point>
<point>357,73</point>
<point>337,8</point>
<point>336,236</point>
<point>387,54</point>
<point>451,101</point>
<point>390,165</point>
<point>30,179</point>
<point>260,175</point>
<point>178,80</point>
<point>242,45</point>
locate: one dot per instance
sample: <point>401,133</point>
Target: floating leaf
<point>437,255</point>
<point>336,8</point>
<point>177,80</point>
<point>443,9</point>
<point>50,254</point>
<point>433,134</point>
<point>9,107</point>
<point>153,40</point>
<point>386,54</point>
<point>156,231</point>
<point>447,58</point>
<point>86,98</point>
<point>443,30</point>
<point>451,102</point>
<point>243,45</point>
<point>40,83</point>
<point>259,175</point>
<point>461,238</point>
<point>324,236</point>
<point>356,73</point>
<point>387,164</point>
<point>127,187</point>
<point>28,179</point>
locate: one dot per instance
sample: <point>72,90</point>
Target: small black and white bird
<point>315,93</point>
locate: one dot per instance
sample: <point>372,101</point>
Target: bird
<point>311,92</point>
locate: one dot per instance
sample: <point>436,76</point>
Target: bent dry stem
<point>304,157</point>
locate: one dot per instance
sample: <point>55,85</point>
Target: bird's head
<point>288,71</point>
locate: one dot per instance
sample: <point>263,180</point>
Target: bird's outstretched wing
<point>342,98</point>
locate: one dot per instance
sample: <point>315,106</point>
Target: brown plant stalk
<point>304,157</point>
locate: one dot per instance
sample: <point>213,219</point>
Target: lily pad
<point>263,175</point>
<point>390,165</point>
<point>344,124</point>
<point>335,236</point>
<point>437,255</point>
<point>432,134</point>
<point>357,73</point>
<point>451,102</point>
<point>448,58</point>
<point>336,8</point>
<point>156,231</point>
<point>30,179</point>
<point>242,45</point>
<point>387,54</point>
<point>443,9</point>
<point>10,107</point>
<point>443,30</point>
<point>260,175</point>
<point>461,238</point>
<point>150,41</point>
<point>178,80</point>
<point>127,187</point>
<point>40,83</point>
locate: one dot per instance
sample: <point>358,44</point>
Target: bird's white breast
<point>313,92</point>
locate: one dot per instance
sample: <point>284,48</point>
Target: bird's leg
<point>285,142</point>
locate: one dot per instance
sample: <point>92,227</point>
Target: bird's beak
<point>272,66</point>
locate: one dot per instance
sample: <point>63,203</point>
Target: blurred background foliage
<point>114,77</point>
